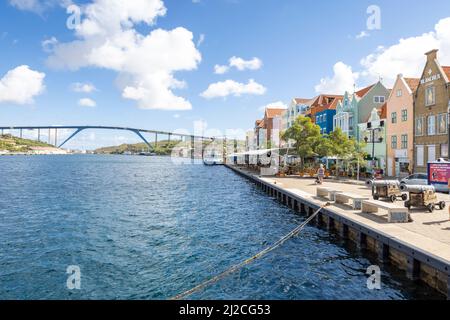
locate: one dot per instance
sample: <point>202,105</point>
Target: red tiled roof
<point>328,106</point>
<point>361,93</point>
<point>273,112</point>
<point>447,71</point>
<point>325,102</point>
<point>412,83</point>
<point>301,100</point>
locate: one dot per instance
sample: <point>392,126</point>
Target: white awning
<point>255,152</point>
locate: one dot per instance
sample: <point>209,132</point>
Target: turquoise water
<point>144,228</point>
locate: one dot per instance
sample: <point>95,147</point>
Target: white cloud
<point>21,85</point>
<point>86,102</point>
<point>343,80</point>
<point>29,5</point>
<point>232,88</point>
<point>241,64</point>
<point>38,6</point>
<point>406,57</point>
<point>362,34</point>
<point>145,63</point>
<point>238,63</point>
<point>274,105</point>
<point>83,87</point>
<point>201,39</point>
<point>218,69</point>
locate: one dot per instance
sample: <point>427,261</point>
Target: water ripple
<point>144,228</point>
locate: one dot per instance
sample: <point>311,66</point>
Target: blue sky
<point>298,43</point>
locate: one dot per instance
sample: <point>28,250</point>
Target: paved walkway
<point>429,231</point>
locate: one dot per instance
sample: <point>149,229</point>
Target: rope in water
<point>259,255</point>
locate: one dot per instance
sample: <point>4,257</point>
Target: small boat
<point>213,161</point>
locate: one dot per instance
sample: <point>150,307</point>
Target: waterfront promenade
<point>427,236</point>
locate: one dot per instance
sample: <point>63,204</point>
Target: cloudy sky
<point>158,64</point>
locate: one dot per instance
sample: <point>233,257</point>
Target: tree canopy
<point>309,142</point>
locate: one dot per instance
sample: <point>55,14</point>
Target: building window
<point>419,156</point>
<point>404,115</point>
<point>399,93</point>
<point>431,125</point>
<point>404,141</point>
<point>419,126</point>
<point>431,153</point>
<point>394,142</point>
<point>444,150</point>
<point>442,123</point>
<point>324,117</point>
<point>379,99</point>
<point>430,96</point>
<point>394,117</point>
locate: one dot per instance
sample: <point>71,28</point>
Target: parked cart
<point>423,196</point>
<point>387,189</point>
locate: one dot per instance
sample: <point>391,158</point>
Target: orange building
<point>400,125</point>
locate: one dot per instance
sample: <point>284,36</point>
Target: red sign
<point>439,173</point>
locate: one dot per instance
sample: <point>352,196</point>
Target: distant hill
<point>164,148</point>
<point>14,144</point>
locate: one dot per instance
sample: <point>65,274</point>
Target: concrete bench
<point>323,191</point>
<point>396,214</point>
<point>345,198</point>
<point>333,194</point>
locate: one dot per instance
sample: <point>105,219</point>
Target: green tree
<point>346,148</point>
<point>308,141</point>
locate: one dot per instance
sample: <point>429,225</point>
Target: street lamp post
<point>372,136</point>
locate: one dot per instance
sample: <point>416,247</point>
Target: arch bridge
<point>78,129</point>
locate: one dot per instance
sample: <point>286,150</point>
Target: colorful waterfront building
<point>267,130</point>
<point>373,133</point>
<point>260,134</point>
<point>400,127</point>
<point>321,103</point>
<point>356,108</point>
<point>297,107</point>
<point>324,112</point>
<point>431,108</point>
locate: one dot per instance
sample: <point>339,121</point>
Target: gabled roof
<point>273,112</point>
<point>323,99</point>
<point>301,100</point>
<point>361,93</point>
<point>328,106</point>
<point>412,83</point>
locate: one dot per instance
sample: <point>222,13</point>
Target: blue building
<point>324,119</point>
